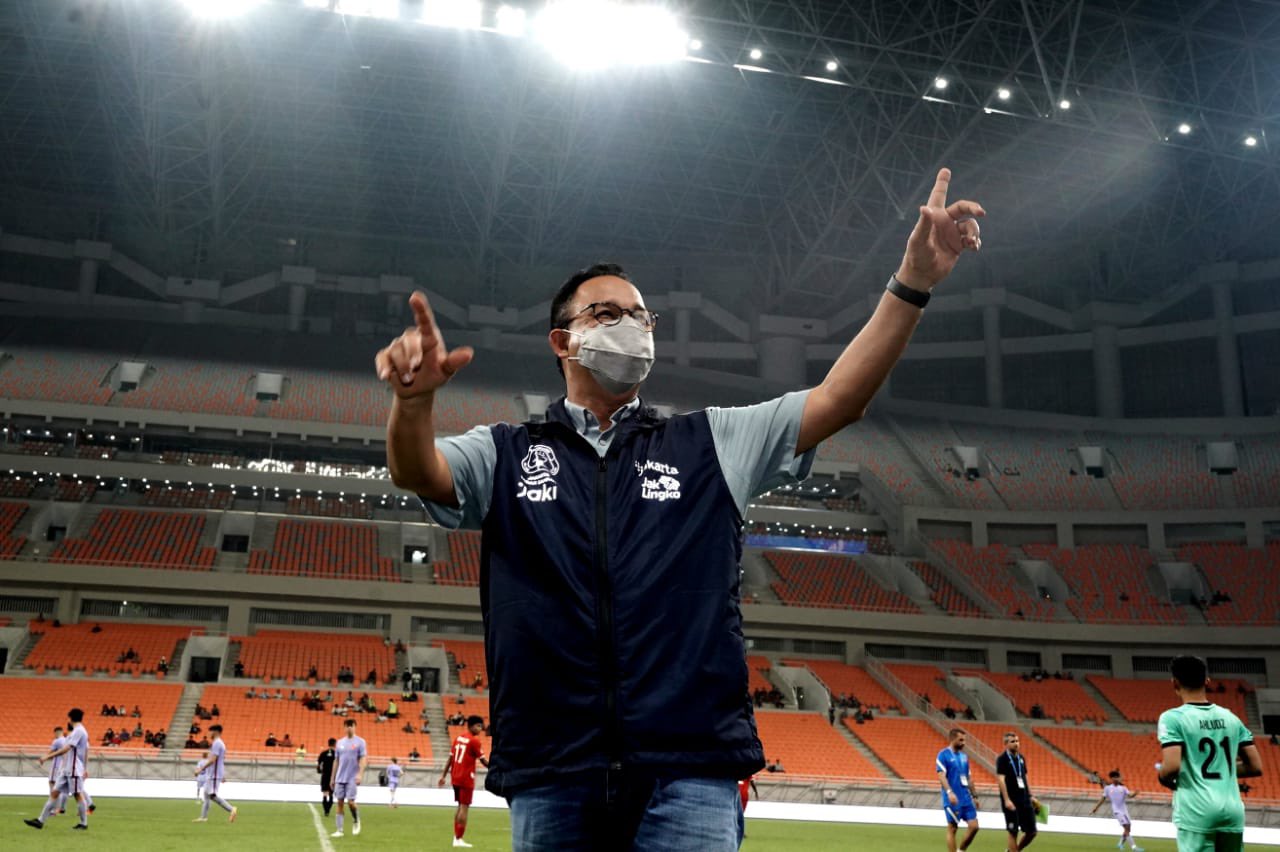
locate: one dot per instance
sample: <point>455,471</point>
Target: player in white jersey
<point>216,774</point>
<point>394,771</point>
<point>55,766</point>
<point>70,781</point>
<point>1119,795</point>
<point>352,755</point>
<point>202,774</point>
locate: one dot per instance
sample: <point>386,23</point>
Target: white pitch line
<point>320,832</point>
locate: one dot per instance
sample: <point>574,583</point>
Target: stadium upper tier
<point>912,456</point>
<point>290,656</point>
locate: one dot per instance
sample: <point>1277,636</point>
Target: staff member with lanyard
<point>1015,793</point>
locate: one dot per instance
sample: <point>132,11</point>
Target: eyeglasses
<point>607,313</point>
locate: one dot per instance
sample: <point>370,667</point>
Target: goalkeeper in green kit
<point>1204,750</point>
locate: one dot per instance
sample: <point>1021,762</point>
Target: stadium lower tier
<point>34,706</point>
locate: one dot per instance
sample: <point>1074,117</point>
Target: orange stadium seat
<point>17,486</point>
<point>63,375</point>
<point>246,722</point>
<point>926,680</point>
<point>470,657</point>
<point>285,654</point>
<point>944,593</point>
<point>990,569</point>
<point>470,705</point>
<point>1045,770</point>
<point>463,567</point>
<point>1145,700</point>
<point>1257,481</point>
<point>140,540</point>
<point>1060,699</point>
<point>334,551</point>
<point>910,748</point>
<point>1101,751</point>
<point>1161,473</point>
<point>33,706</point>
<point>330,507</point>
<point>1032,469</point>
<point>932,438</point>
<point>757,665</point>
<point>77,647</point>
<point>11,514</point>
<point>843,679</point>
<point>1099,573</point>
<point>873,447</point>
<point>186,498</point>
<point>808,745</point>
<point>1245,574</point>
<point>179,384</point>
<point>831,580</point>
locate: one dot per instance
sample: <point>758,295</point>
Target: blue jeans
<point>617,811</point>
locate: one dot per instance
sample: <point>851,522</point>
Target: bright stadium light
<point>1064,104</point>
<point>941,83</point>
<point>1004,93</point>
<point>1251,141</point>
<point>458,14</point>
<point>1184,128</point>
<point>511,21</point>
<point>696,44</point>
<point>592,34</point>
<point>355,8</point>
<point>219,10</point>
<point>832,65</point>
<point>757,53</point>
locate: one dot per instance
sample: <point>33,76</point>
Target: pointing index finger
<point>423,318</point>
<point>938,197</point>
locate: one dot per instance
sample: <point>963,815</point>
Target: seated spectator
<point>1275,740</point>
<point>192,742</point>
<point>137,712</point>
<point>214,711</point>
<point>293,695</point>
<point>950,713</point>
<point>204,743</point>
<point>160,738</point>
<point>122,711</point>
<point>424,728</point>
<point>286,742</point>
<point>424,712</point>
<point>149,738</point>
<point>107,736</point>
<point>970,715</point>
<point>393,712</point>
<point>400,647</point>
<point>478,683</point>
<point>312,673</point>
<point>350,700</point>
<point>372,677</point>
<point>137,730</point>
<point>108,710</point>
<point>279,696</point>
<point>97,628</point>
<point>414,756</point>
<point>123,736</point>
<point>408,728</point>
<point>250,693</point>
<point>301,751</point>
<point>239,668</point>
<point>271,741</point>
<point>195,729</point>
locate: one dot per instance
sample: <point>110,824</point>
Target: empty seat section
<point>1045,769</point>
<point>910,748</point>
<point>944,593</point>
<point>285,654</point>
<point>932,440</point>
<point>11,514</point>
<point>1257,481</point>
<point>33,706</point>
<point>1244,574</point>
<point>1034,468</point>
<point>140,540</point>
<point>246,722</point>
<point>56,376</point>
<point>17,485</point>
<point>1102,751</point>
<point>851,681</point>
<point>1160,472</point>
<point>71,489</point>
<point>179,384</point>
<point>330,507</point>
<point>831,580</point>
<point>186,498</point>
<point>926,681</point>
<point>808,745</point>
<point>1145,700</point>
<point>1111,583</point>
<point>1060,699</point>
<point>757,665</point>
<point>469,657</point>
<point>463,566</point>
<point>992,570</point>
<point>872,446</point>
<point>332,396</point>
<point>78,647</point>
<point>334,551</point>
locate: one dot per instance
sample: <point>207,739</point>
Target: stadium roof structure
<point>1117,161</point>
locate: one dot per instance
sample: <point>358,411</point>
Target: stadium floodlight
<point>511,21</point>
<point>1064,104</point>
<point>219,10</point>
<point>354,8</point>
<point>832,65</point>
<point>941,83</point>
<point>592,34</point>
<point>457,14</point>
<point>757,53</point>
<point>1251,141</point>
<point>1004,93</point>
<point>696,44</point>
<point>1184,128</point>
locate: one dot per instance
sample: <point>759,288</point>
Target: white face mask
<point>619,356</point>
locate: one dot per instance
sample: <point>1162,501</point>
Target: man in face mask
<point>611,543</point>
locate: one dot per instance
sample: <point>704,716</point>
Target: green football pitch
<point>149,825</point>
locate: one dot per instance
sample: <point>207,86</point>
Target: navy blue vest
<point>610,593</point>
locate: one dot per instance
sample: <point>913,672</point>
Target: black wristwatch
<point>911,296</point>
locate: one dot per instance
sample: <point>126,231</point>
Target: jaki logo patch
<point>658,481</point>
<point>538,471</point>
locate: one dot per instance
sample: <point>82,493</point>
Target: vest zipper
<point>607,662</point>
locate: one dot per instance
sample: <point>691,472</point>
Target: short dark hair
<point>1115,773</point>
<point>570,287</point>
<point>217,728</point>
<point>475,720</point>
<point>350,723</point>
<point>955,732</point>
<point>332,741</point>
<point>58,730</point>
<point>75,714</point>
<point>1189,671</point>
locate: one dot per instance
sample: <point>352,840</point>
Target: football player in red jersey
<point>462,762</point>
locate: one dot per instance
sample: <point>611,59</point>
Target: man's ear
<point>558,340</point>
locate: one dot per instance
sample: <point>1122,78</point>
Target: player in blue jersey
<point>394,771</point>
<point>958,801</point>
<point>352,754</point>
<point>70,782</point>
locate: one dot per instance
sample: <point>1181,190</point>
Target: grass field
<point>147,825</point>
